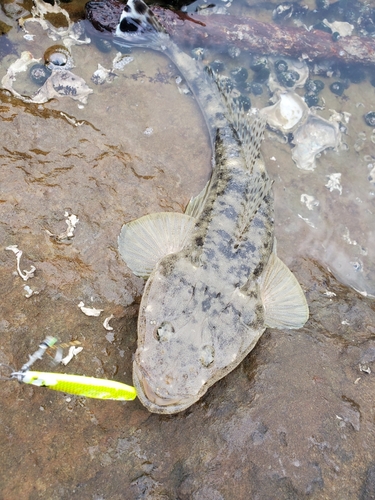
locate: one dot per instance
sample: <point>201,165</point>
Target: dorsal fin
<point>248,127</point>
<point>196,203</point>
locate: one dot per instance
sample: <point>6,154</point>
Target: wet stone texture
<point>295,420</point>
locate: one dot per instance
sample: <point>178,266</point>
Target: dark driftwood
<point>246,34</point>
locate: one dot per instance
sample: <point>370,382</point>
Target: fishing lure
<point>89,387</point>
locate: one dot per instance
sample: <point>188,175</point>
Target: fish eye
<point>164,331</point>
<point>207,355</point>
<point>129,25</point>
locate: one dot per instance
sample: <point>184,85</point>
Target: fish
<point>214,280</point>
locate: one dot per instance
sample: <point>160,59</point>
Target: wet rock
<point>4,29</point>
<point>368,356</point>
<point>368,490</point>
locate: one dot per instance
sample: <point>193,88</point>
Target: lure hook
<point>11,371</point>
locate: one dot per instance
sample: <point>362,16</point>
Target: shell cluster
<point>290,114</point>
<point>326,14</point>
<point>56,57</point>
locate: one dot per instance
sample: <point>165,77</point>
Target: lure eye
<point>164,332</point>
<point>207,355</point>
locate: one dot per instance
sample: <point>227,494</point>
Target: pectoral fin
<point>284,302</point>
<point>144,241</point>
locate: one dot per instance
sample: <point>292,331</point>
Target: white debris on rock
<point>334,182</point>
<point>346,237</point>
<point>309,201</point>
<point>364,368</point>
<point>102,75</point>
<point>25,275</point>
<point>29,291</point>
<point>73,351</point>
<point>72,120</point>
<point>106,322</point>
<point>90,311</point>
<point>343,117</point>
<point>308,221</point>
<point>342,28</point>
<point>71,221</point>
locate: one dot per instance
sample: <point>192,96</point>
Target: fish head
<point>187,339</point>
<point>138,26</point>
<point>167,371</point>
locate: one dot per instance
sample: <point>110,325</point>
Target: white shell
<point>314,136</point>
<point>342,28</point>
<point>90,311</point>
<point>289,111</point>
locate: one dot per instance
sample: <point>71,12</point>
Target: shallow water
<point>296,418</point>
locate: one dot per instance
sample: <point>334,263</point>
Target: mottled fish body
<point>214,280</point>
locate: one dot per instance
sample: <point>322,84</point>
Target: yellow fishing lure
<point>89,387</point>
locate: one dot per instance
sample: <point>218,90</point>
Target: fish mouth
<point>154,402</point>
